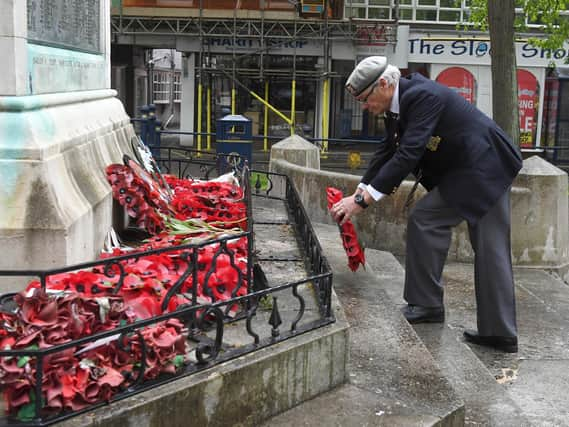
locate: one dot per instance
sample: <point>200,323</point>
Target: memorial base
<point>56,203</point>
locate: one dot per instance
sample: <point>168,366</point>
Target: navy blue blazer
<point>453,145</point>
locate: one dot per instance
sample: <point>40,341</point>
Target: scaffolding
<point>310,22</point>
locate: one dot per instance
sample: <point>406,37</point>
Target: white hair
<point>391,75</point>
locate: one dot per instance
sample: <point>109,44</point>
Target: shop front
<point>465,65</point>
<point>302,80</point>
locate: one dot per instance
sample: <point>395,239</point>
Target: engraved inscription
<point>72,24</point>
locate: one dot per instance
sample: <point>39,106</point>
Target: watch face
<point>359,199</point>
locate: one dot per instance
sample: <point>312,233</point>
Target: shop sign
<point>372,35</point>
<point>477,52</point>
<point>251,45</point>
<point>461,81</point>
<point>528,98</point>
<point>254,43</point>
<point>371,39</point>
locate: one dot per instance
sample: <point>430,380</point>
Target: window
<point>177,86</point>
<point>425,15</point>
<point>369,9</point>
<point>449,16</point>
<point>447,11</point>
<point>161,86</point>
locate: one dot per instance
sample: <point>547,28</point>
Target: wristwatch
<point>359,199</point>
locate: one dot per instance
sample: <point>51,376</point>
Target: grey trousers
<point>428,241</point>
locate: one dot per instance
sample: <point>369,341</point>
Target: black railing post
<point>151,128</point>
<point>156,145</point>
<point>144,123</point>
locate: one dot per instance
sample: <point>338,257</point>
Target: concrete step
<point>393,379</point>
<point>486,402</point>
<point>501,389</point>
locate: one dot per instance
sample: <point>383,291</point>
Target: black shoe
<point>505,344</point>
<point>418,314</point>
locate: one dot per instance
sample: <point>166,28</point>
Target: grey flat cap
<point>365,74</point>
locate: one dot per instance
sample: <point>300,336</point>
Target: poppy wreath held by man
<point>355,252</point>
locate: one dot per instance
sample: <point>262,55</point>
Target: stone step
<point>501,389</point>
<point>393,380</point>
<point>486,402</point>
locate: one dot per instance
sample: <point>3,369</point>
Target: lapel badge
<point>433,143</point>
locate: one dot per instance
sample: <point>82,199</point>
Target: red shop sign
<point>528,99</point>
<point>461,80</point>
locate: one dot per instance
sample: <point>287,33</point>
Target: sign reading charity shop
<point>72,24</point>
<point>66,51</point>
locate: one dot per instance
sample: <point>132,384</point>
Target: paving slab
<point>346,407</point>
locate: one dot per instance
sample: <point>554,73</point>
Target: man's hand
<point>345,209</point>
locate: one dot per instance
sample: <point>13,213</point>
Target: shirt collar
<point>394,107</point>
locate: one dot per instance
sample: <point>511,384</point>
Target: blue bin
<point>234,136</point>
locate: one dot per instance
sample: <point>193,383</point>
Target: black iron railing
<point>199,326</point>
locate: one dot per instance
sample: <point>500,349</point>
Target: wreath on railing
<point>78,304</point>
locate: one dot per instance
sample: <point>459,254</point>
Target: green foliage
<point>259,181</point>
<point>479,14</point>
<point>266,302</point>
<point>27,412</point>
<point>23,361</point>
<point>178,361</point>
<point>544,13</point>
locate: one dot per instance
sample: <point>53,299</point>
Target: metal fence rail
<point>203,330</point>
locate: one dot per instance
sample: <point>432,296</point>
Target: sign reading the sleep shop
<point>71,24</point>
<point>477,52</point>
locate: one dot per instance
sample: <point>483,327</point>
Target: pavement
<point>427,375</point>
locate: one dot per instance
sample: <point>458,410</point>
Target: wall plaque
<point>70,24</point>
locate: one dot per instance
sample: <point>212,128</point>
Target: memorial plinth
<point>60,124</point>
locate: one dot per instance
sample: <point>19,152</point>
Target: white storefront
<point>465,65</point>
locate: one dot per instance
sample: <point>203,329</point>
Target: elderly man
<point>467,164</point>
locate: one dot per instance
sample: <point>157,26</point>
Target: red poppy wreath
<point>350,241</point>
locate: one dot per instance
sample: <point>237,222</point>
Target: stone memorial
<point>60,125</point>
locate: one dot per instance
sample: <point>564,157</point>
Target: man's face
<point>377,98</point>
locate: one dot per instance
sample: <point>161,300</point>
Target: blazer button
<point>397,144</point>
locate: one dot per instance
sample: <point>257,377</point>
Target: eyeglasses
<point>364,100</point>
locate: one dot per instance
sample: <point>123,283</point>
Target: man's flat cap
<point>365,74</point>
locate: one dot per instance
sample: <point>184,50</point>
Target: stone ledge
<point>56,199</point>
<point>244,391</point>
<point>539,213</point>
